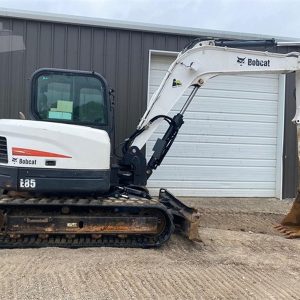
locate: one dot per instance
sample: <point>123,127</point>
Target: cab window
<point>71,98</point>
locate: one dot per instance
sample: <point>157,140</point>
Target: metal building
<point>238,139</point>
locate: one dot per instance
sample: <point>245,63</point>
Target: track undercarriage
<point>93,221</point>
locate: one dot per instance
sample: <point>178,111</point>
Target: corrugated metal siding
<point>228,144</point>
<point>120,55</point>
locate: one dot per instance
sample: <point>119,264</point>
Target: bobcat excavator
<point>59,185</point>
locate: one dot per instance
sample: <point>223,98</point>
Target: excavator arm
<point>193,67</point>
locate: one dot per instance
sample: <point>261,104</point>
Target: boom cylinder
<point>189,99</point>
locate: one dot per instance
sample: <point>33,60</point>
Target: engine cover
<point>53,157</point>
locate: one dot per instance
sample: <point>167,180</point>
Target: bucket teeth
<point>290,225</point>
<point>290,232</point>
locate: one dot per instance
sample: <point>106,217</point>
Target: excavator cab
<point>72,97</point>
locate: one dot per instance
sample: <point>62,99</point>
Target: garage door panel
<point>229,94</point>
<point>237,87</point>
<point>162,62</point>
<point>218,127</point>
<point>214,161</point>
<point>229,142</point>
<point>197,138</point>
<point>217,192</point>
<point>221,116</point>
<point>183,149</point>
<point>219,104</point>
<point>243,83</point>
<point>160,70</point>
<point>232,106</point>
<point>206,184</point>
<point>231,83</point>
<point>214,173</point>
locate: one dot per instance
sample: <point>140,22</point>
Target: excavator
<point>60,186</point>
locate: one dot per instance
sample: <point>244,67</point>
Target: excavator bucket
<point>290,225</point>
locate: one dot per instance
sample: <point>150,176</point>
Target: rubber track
<point>81,241</point>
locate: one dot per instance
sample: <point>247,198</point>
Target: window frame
<point>50,71</point>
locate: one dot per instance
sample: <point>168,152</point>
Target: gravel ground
<point>241,257</point>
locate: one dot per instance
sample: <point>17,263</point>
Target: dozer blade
<point>290,225</point>
<point>186,219</point>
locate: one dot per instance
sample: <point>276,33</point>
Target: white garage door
<point>231,142</point>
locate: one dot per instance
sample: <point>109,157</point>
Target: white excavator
<point>59,185</point>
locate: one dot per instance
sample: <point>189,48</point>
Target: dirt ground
<point>241,257</point>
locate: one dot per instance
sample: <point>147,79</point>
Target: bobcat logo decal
<point>241,60</point>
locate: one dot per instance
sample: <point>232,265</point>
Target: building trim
<point>154,52</point>
<point>280,135</point>
<point>137,26</point>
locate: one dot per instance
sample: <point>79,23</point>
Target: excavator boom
<point>195,66</point>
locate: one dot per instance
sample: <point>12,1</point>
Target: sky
<point>267,17</point>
